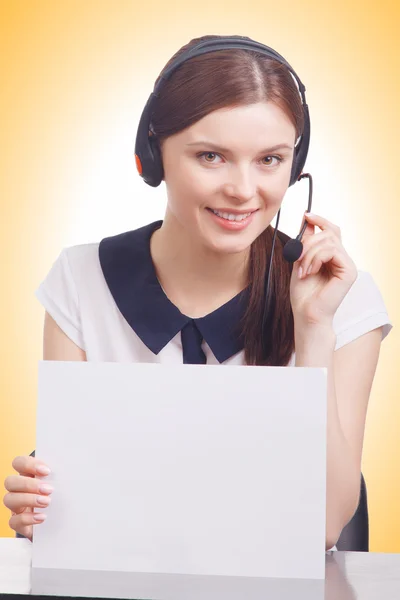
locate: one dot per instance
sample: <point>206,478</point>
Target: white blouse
<point>106,298</point>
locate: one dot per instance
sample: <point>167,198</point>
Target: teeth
<point>230,216</point>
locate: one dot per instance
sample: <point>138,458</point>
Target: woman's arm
<point>57,345</point>
<point>351,371</point>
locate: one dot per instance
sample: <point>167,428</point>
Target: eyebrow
<point>213,146</point>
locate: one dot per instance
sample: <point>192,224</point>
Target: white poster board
<point>180,481</point>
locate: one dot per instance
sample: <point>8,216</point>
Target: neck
<point>195,278</point>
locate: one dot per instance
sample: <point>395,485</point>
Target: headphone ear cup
<point>157,170</point>
<point>295,168</point>
<point>152,170</point>
<point>301,150</point>
<point>298,161</point>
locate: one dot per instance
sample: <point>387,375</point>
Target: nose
<point>241,184</point>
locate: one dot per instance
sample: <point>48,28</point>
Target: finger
<point>315,266</point>
<point>18,502</point>
<point>23,522</point>
<point>322,223</point>
<point>25,530</point>
<point>309,231</point>
<point>322,255</point>
<point>325,247</point>
<point>315,240</point>
<point>29,465</point>
<point>19,483</point>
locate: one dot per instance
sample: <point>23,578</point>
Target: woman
<point>192,288</point>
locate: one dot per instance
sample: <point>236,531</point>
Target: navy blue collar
<point>129,272</point>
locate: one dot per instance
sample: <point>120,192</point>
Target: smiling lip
<point>232,211</point>
<point>232,225</point>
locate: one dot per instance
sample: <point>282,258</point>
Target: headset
<point>148,153</point>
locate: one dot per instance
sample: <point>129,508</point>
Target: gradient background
<point>75,76</point>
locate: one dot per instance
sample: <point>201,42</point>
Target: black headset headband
<point>147,151</point>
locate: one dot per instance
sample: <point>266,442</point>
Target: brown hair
<point>216,80</point>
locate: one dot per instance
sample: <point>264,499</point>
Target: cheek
<point>273,195</point>
<point>189,191</point>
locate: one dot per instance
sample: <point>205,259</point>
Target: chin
<point>229,246</point>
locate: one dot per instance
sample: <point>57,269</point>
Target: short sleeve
<point>362,310</point>
<point>58,294</point>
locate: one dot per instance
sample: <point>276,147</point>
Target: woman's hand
<point>25,493</point>
<point>322,275</point>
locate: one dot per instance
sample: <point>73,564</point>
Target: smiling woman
<point>228,132</point>
<point>217,155</point>
<point>242,179</point>
<point>237,219</point>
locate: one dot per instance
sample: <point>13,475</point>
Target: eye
<point>209,157</point>
<point>270,158</point>
<point>206,156</point>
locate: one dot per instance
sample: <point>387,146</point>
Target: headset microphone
<point>293,248</point>
<point>291,252</point>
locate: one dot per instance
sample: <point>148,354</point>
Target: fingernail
<point>43,500</point>
<point>300,272</point>
<point>39,516</point>
<point>46,489</point>
<point>309,269</point>
<point>42,470</point>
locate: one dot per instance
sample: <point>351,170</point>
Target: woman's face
<point>227,174</point>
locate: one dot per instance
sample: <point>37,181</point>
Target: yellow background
<point>74,78</point>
